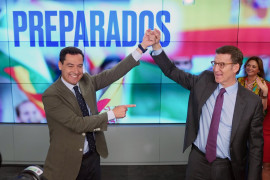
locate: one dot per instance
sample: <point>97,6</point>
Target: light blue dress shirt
<point>225,125</point>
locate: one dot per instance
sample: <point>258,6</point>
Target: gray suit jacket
<point>67,126</point>
<point>247,117</point>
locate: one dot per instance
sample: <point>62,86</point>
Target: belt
<point>203,154</point>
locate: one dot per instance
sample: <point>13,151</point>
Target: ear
<point>60,65</point>
<point>236,67</point>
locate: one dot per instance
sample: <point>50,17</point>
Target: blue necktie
<point>211,146</point>
<point>82,104</point>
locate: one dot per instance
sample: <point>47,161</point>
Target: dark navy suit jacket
<point>247,117</point>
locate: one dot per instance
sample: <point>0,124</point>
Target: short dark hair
<point>236,54</point>
<point>260,65</point>
<point>69,50</point>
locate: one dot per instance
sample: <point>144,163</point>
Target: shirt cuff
<point>111,115</point>
<point>156,52</point>
<point>136,55</point>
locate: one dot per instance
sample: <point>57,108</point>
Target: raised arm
<point>169,69</point>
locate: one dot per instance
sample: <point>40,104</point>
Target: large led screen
<point>32,33</point>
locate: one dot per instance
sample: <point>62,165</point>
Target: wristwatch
<point>141,48</point>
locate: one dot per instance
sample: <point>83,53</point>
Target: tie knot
<point>76,88</point>
<point>222,91</point>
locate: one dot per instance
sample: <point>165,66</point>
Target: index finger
<point>148,31</point>
<point>130,105</point>
<point>157,32</point>
<point>258,80</point>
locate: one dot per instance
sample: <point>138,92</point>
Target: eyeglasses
<point>221,64</point>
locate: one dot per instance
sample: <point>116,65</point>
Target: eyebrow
<point>252,65</point>
<point>74,64</point>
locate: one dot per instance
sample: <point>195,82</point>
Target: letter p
<point>19,26</point>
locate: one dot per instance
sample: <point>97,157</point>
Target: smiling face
<point>252,68</point>
<point>72,68</point>
<point>226,75</point>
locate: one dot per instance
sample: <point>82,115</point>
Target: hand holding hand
<point>263,86</point>
<point>151,38</point>
<point>157,44</point>
<point>148,39</point>
<point>120,111</point>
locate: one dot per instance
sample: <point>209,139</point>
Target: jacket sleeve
<point>186,80</point>
<point>256,144</point>
<point>109,76</point>
<point>59,111</point>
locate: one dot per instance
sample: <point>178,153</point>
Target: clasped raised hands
<point>151,38</point>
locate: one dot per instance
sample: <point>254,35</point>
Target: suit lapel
<point>211,86</point>
<point>65,92</point>
<point>238,111</point>
<point>87,94</point>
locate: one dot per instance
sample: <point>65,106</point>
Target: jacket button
<point>83,134</point>
<point>80,149</point>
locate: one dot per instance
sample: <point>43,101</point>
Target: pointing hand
<point>120,111</point>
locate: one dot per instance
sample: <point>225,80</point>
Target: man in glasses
<point>223,118</point>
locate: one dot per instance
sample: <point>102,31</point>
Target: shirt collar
<point>69,86</point>
<point>231,89</point>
